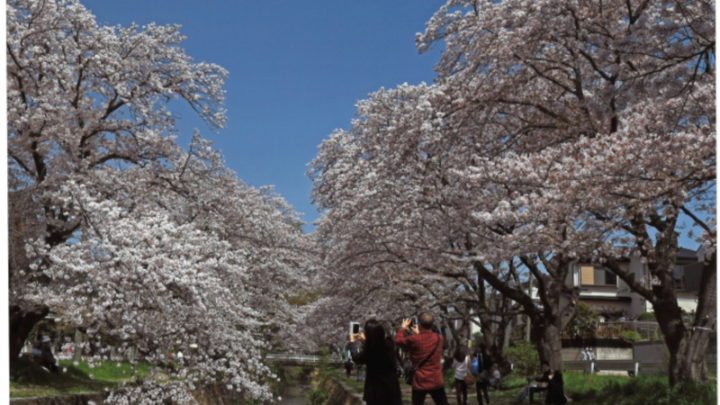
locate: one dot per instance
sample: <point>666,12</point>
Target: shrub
<point>317,397</point>
<point>524,357</point>
<point>630,336</point>
<point>646,317</point>
<point>584,322</point>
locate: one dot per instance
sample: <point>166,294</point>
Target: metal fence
<point>301,359</point>
<point>295,358</point>
<point>648,330</point>
<point>629,367</point>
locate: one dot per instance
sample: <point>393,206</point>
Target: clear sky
<point>296,69</point>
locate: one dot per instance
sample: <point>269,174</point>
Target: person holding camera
<point>374,349</point>
<point>425,349</point>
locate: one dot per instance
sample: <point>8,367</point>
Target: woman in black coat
<point>377,352</point>
<point>555,387</point>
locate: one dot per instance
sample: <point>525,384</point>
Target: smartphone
<point>413,321</point>
<point>354,328</point>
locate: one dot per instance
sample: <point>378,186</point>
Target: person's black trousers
<point>438,396</point>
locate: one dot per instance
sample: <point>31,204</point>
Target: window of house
<point>610,278</point>
<point>590,275</point>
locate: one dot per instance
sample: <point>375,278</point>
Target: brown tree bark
<point>547,338</point>
<point>687,346</point>
<point>557,305</point>
<point>22,322</point>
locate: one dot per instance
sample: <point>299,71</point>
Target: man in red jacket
<point>425,348</point>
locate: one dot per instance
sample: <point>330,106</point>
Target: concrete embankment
<point>215,395</point>
<point>340,393</point>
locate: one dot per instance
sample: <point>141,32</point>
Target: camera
<point>413,321</point>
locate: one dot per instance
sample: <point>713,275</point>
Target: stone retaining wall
<point>340,393</point>
<point>69,399</point>
<point>215,395</point>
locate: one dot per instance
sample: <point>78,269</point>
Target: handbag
<point>470,379</point>
<point>410,369</point>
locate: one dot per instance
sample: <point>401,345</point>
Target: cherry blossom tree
<point>408,206</point>
<point>608,109</point>
<point>556,132</point>
<point>129,238</point>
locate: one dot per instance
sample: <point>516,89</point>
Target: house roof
<point>683,253</point>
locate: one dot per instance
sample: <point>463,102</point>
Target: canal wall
<point>339,393</point>
<point>213,395</point>
<point>69,399</point>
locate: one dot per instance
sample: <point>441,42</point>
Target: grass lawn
<point>583,389</point>
<point>30,380</point>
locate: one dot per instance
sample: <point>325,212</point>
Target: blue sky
<point>296,69</point>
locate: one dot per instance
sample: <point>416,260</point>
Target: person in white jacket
<point>460,366</point>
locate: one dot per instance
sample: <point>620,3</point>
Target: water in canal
<point>294,385</point>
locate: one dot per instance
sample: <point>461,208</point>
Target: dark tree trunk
<point>557,302</point>
<point>458,337</point>
<point>22,323</point>
<point>688,362</point>
<point>547,339</point>
<point>688,346</point>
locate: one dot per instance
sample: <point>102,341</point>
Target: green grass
<point>586,389</point>
<point>607,390</point>
<point>110,371</point>
<point>580,384</point>
<point>28,379</point>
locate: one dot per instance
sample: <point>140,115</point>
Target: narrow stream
<point>294,385</point>
<point>295,394</point>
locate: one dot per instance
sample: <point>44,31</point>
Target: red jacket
<point>419,346</point>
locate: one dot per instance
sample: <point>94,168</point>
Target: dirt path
<point>504,397</point>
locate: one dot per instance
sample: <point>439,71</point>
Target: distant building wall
<point>613,353</point>
<point>687,301</point>
<point>600,353</point>
<point>651,352</point>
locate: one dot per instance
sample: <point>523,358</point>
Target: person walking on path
<point>425,348</point>
<point>374,349</point>
<point>348,364</point>
<point>460,365</point>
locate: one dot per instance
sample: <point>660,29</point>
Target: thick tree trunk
<point>547,339</point>
<point>557,302</point>
<point>22,322</point>
<point>688,346</point>
<point>688,363</point>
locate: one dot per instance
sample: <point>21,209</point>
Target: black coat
<point>381,379</point>
<point>555,388</point>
